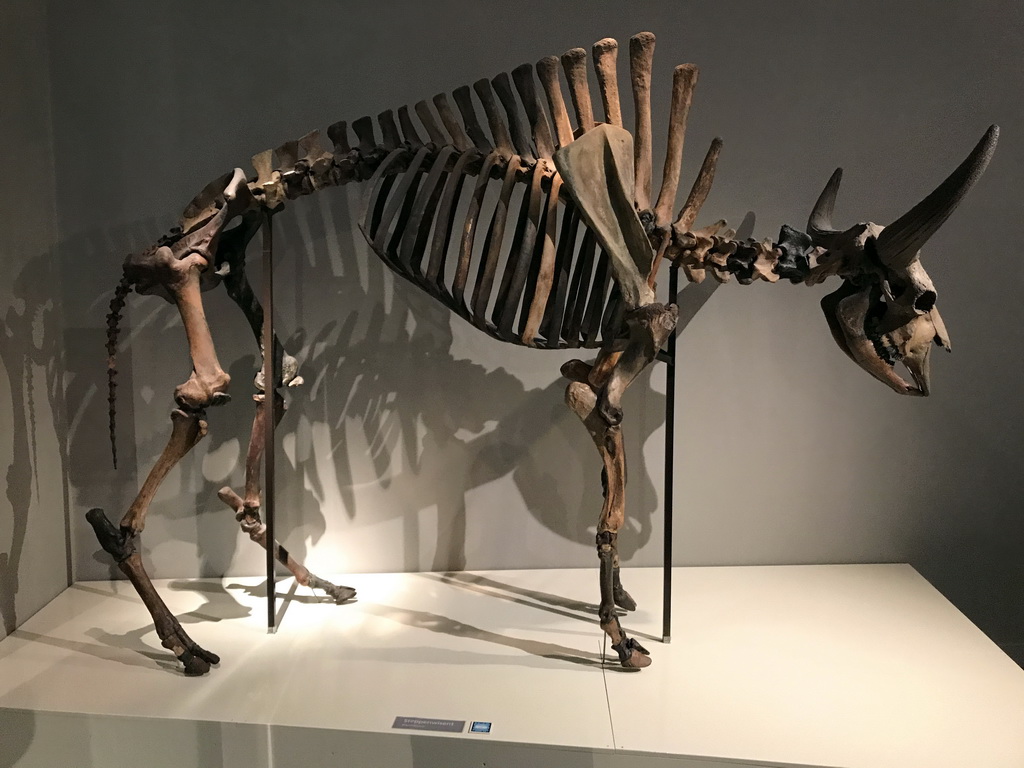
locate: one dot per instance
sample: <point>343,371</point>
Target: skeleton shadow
<point>30,340</point>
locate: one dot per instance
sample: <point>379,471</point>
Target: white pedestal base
<point>854,666</point>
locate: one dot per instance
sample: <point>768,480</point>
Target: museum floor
<point>860,666</point>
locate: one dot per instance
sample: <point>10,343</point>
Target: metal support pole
<point>269,408</point>
<point>670,436</point>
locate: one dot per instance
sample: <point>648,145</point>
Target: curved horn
<point>819,225</point>
<point>899,243</point>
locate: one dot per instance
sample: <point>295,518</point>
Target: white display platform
<point>859,666</point>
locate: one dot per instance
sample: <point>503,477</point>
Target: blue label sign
<point>479,726</point>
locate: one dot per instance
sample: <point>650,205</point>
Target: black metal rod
<point>670,441</point>
<point>269,420</point>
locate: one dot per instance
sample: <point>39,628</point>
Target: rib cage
<point>478,217</point>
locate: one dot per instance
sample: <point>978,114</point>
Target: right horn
<point>899,243</point>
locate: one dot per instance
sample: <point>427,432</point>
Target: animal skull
<point>885,313</point>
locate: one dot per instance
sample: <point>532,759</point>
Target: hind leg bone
<point>179,279</point>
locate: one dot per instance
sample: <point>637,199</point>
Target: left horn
<point>899,243</point>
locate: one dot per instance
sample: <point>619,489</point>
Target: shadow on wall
<point>389,423</point>
<point>30,340</point>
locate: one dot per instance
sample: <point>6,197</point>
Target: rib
<point>554,315</point>
<point>469,232</point>
<point>397,209</point>
<point>508,301</point>
<point>445,220</point>
<point>545,272</point>
<point>578,289</point>
<point>415,234</point>
<point>591,325</point>
<point>376,199</point>
<point>492,248</point>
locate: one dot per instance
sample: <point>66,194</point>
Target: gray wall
<point>34,558</point>
<point>419,444</point>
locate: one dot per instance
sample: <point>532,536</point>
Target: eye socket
<point>925,301</point>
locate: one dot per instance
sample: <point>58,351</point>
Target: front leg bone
<point>582,399</point>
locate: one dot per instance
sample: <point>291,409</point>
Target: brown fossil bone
<point>554,235</point>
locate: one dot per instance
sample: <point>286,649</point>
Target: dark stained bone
<point>464,101</point>
<point>113,321</point>
<point>564,292</point>
<point>392,139</point>
<point>520,137</point>
<point>539,127</point>
<point>121,545</point>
